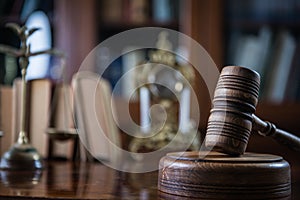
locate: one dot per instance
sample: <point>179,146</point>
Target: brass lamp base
<point>21,157</point>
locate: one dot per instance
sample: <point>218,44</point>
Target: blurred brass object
<point>166,80</point>
<point>58,134</point>
<point>161,137</point>
<point>22,155</point>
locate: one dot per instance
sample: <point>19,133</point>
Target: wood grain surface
<point>69,180</point>
<point>219,176</point>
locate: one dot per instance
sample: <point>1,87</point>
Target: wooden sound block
<point>212,175</point>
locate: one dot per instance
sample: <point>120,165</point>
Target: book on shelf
<point>61,131</point>
<point>11,69</point>
<point>111,11</point>
<point>272,55</point>
<point>39,116</point>
<point>39,104</point>
<point>125,11</point>
<point>6,94</point>
<point>251,51</point>
<point>164,11</point>
<point>293,85</point>
<point>262,10</point>
<point>279,77</point>
<point>94,117</point>
<point>276,82</point>
<point>130,62</point>
<point>113,71</point>
<point>29,7</point>
<point>136,12</point>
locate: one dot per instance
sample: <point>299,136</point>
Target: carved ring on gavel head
<point>231,119</point>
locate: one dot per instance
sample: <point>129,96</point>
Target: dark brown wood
<point>70,180</point>
<point>203,22</point>
<point>282,115</point>
<point>231,120</point>
<point>281,136</point>
<point>235,99</point>
<point>214,175</point>
<point>75,30</point>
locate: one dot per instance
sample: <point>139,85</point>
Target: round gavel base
<point>213,175</point>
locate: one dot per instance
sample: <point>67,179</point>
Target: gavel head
<point>230,121</point>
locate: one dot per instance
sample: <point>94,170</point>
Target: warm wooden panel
<point>285,116</point>
<point>74,31</point>
<point>202,21</point>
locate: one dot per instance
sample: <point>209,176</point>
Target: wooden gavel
<point>231,119</point>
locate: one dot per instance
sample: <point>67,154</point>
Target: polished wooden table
<point>72,180</point>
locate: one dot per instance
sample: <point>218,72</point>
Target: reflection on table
<point>72,180</point>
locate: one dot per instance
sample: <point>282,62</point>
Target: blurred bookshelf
<point>119,15</point>
<point>78,26</point>
<point>116,16</point>
<point>265,36</point>
<point>229,30</point>
<point>89,29</point>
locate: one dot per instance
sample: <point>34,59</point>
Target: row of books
<point>45,109</point>
<point>50,117</point>
<point>263,10</point>
<point>139,11</point>
<point>275,56</point>
<point>121,73</point>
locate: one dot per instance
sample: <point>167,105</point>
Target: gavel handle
<point>268,129</point>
